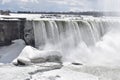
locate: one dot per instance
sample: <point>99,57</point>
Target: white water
<point>93,42</point>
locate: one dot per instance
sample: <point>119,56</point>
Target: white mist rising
<point>105,52</point>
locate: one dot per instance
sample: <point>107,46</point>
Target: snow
<point>33,55</point>
<point>55,71</point>
<point>18,50</point>
<point>66,74</point>
<point>48,70</point>
<point>11,72</point>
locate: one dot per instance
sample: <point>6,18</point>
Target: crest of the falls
<point>67,33</point>
<point>87,41</point>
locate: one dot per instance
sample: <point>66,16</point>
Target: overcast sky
<point>60,5</point>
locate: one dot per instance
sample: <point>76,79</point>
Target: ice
<point>65,74</point>
<point>9,53</point>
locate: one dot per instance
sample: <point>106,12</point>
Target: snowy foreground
<point>48,70</point>
<point>52,71</point>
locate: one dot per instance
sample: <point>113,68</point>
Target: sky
<point>60,5</point>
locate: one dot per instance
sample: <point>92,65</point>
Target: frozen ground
<point>11,72</point>
<point>52,71</point>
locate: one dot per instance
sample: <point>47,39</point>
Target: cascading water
<point>87,41</point>
<point>54,31</point>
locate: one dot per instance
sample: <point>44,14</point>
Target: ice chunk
<point>33,55</point>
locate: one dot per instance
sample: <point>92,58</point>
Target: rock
<point>29,33</point>
<point>20,63</point>
<point>74,63</point>
<point>32,55</point>
<point>10,30</point>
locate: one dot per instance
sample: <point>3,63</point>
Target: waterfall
<point>79,40</point>
<point>71,31</point>
<point>39,33</point>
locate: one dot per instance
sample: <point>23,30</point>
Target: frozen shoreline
<point>52,71</point>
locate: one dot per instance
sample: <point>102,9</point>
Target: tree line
<point>92,13</point>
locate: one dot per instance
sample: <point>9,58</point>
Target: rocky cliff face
<point>29,33</point>
<point>10,30</point>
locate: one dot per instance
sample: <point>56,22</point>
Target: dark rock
<point>10,30</point>
<point>3,12</point>
<point>74,63</point>
<point>27,79</point>
<point>29,33</point>
<point>20,63</point>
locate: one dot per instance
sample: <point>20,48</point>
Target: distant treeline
<point>2,12</point>
<point>66,13</point>
<point>92,13</point>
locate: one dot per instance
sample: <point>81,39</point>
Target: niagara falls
<point>59,40</point>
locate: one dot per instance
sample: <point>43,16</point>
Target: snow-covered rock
<point>33,55</point>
